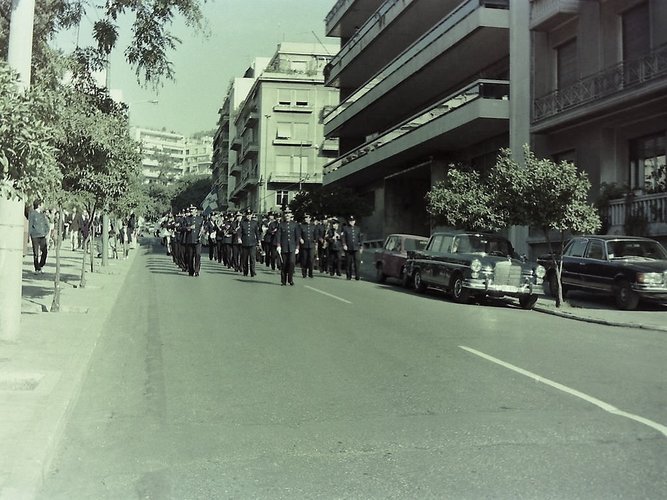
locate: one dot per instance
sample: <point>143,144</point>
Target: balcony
<point>471,115</point>
<point>346,15</point>
<point>295,178</point>
<point>471,38</point>
<point>236,144</point>
<point>547,14</point>
<point>382,37</point>
<point>250,150</point>
<point>235,168</point>
<point>251,119</point>
<point>652,208</point>
<point>603,92</point>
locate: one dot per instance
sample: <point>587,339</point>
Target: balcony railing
<point>335,9</point>
<point>613,80</point>
<point>444,26</point>
<point>651,206</point>
<point>487,89</point>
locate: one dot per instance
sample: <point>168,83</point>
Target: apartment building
<point>276,138</point>
<point>600,100</point>
<point>167,156</point>
<point>427,83</point>
<point>424,83</point>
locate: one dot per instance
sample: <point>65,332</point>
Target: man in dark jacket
<point>352,246</point>
<point>38,229</point>
<point>193,231</point>
<point>287,239</point>
<point>250,237</point>
<point>307,246</point>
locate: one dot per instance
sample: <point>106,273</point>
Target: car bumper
<point>651,292</point>
<point>488,287</point>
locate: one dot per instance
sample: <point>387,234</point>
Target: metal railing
<point>486,89</point>
<point>426,40</point>
<point>613,80</point>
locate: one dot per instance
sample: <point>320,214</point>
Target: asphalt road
<point>229,387</point>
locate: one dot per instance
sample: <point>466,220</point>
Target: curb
<point>605,322</point>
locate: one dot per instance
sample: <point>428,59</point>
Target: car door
<point>390,256</point>
<point>573,261</point>
<point>430,266</point>
<point>594,270</point>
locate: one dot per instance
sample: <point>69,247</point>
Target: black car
<point>626,267</point>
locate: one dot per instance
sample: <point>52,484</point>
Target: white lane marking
<point>605,406</point>
<point>327,294</point>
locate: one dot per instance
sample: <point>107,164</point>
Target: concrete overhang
<point>448,55</point>
<point>347,16</point>
<point>470,124</point>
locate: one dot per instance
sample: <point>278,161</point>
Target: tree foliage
<point>331,201</point>
<point>27,153</point>
<point>464,201</point>
<point>190,190</point>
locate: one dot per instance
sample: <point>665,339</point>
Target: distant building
<point>275,133</point>
<point>168,156</point>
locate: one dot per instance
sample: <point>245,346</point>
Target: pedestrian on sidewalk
<point>38,229</point>
<point>75,223</point>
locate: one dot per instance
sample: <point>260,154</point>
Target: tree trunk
<point>55,305</point>
<point>82,282</point>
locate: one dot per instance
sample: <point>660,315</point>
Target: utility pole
<point>12,243</point>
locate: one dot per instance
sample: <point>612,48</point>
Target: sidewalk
<point>42,371</point>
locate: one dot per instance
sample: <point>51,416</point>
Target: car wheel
<point>379,274</point>
<point>527,301</point>
<point>626,298</point>
<point>460,294</point>
<point>418,283</point>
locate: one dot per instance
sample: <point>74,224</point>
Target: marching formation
<point>238,240</point>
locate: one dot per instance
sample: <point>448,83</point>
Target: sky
<point>239,31</point>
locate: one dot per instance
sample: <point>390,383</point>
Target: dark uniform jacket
<point>270,235</point>
<point>288,236</point>
<point>351,236</point>
<point>236,232</point>
<point>308,235</point>
<point>227,233</point>
<point>192,228</point>
<point>333,240</point>
<point>250,233</point>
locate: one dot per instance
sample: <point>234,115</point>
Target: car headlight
<point>650,278</point>
<point>475,266</point>
<point>540,271</point>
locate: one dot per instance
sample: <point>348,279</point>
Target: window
<point>302,97</point>
<point>577,248</point>
<point>282,198</point>
<point>566,64</point>
<point>301,131</point>
<point>636,32</point>
<point>284,97</point>
<point>595,250</point>
<point>283,164</point>
<point>647,163</point>
<point>283,130</point>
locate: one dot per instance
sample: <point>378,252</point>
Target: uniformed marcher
<point>250,238</point>
<point>352,246</point>
<point>193,233</point>
<point>236,242</point>
<point>333,248</point>
<point>287,237</point>
<point>307,246</point>
<point>228,235</point>
<point>321,234</point>
<point>270,242</point>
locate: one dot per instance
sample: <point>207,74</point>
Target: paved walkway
<point>42,372</point>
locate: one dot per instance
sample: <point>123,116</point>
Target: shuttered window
<point>567,63</point>
<point>636,32</point>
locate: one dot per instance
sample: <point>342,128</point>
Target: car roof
<point>610,237</point>
<point>403,235</point>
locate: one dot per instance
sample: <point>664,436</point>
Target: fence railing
<point>613,80</point>
<point>651,206</point>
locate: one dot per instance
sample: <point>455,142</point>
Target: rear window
<point>636,248</point>
<point>577,248</point>
<point>412,244</point>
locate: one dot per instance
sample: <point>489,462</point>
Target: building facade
<point>429,83</point>
<point>275,134</point>
<point>168,156</point>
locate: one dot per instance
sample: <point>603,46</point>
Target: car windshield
<point>476,243</point>
<point>411,244</point>
<point>630,249</point>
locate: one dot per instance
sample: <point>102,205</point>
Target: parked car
<point>628,268</point>
<point>470,264</point>
<point>389,261</point>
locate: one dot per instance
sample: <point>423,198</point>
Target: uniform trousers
<point>219,248</point>
<point>322,257</point>
<point>353,261</point>
<point>193,258</point>
<point>39,251</point>
<point>287,267</point>
<point>248,260</point>
<point>307,262</point>
<point>236,257</point>
<point>212,248</point>
<point>333,260</point>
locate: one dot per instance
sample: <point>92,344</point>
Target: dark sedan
<point>626,267</point>
<point>390,259</point>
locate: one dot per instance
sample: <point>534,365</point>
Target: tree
<point>464,201</point>
<point>545,194</point>
<point>190,190</point>
<point>332,201</point>
<point>27,154</point>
